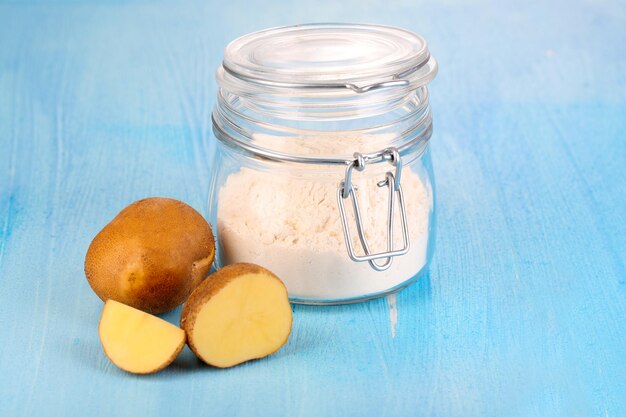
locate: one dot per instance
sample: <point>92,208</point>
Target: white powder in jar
<point>290,224</point>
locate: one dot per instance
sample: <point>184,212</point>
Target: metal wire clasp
<point>347,189</point>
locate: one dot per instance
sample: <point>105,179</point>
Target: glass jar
<point>322,172</point>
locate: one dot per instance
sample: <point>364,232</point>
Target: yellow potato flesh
<point>138,342</point>
<point>247,319</point>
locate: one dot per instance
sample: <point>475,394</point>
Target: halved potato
<point>241,312</point>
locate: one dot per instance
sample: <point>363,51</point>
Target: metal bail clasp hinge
<point>346,189</point>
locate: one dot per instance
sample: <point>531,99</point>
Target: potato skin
<point>212,286</point>
<point>151,256</point>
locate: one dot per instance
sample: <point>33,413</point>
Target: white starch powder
<point>291,225</point>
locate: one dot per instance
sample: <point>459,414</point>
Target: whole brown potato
<point>151,255</point>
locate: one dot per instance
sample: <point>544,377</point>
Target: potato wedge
<point>138,342</point>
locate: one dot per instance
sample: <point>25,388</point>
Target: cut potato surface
<point>241,312</point>
<point>138,342</point>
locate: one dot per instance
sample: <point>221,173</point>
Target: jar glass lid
<point>357,56</point>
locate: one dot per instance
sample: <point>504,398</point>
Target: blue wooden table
<point>524,310</point>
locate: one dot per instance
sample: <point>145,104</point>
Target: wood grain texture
<point>524,310</point>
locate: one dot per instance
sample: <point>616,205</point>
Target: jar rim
<point>417,145</point>
<point>340,56</point>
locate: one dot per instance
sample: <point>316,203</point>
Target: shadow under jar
<point>322,172</point>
